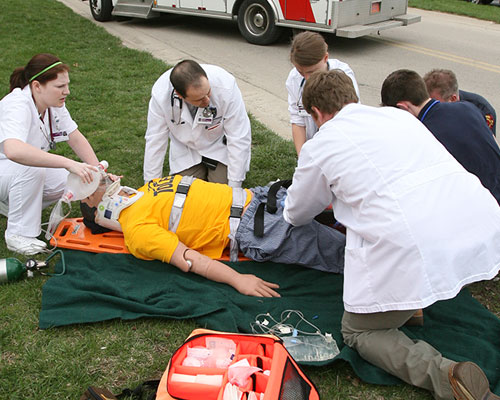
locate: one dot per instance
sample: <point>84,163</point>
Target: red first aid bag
<point>201,369</point>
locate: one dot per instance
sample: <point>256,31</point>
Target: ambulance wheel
<point>256,22</point>
<point>101,9</point>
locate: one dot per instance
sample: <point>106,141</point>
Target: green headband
<point>44,70</point>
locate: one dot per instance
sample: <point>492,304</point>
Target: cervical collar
<point>112,204</point>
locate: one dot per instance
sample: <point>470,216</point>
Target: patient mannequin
<point>203,231</point>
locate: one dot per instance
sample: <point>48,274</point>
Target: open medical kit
<point>213,365</point>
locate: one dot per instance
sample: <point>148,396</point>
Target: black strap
<point>139,391</point>
<point>210,163</point>
<point>258,221</point>
<point>270,206</point>
<point>273,191</point>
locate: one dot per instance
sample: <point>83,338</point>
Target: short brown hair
<point>328,91</point>
<point>403,85</point>
<point>442,80</point>
<point>185,74</point>
<point>308,48</point>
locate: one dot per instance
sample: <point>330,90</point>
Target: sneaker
<point>469,382</point>
<point>24,245</point>
<point>4,208</point>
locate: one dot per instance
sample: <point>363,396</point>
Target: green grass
<point>460,7</point>
<point>110,87</point>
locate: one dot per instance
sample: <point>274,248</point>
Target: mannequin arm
<point>214,270</point>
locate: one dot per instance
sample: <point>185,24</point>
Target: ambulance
<point>262,21</point>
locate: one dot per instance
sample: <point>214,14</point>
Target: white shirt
<point>190,140</point>
<point>295,86</point>
<point>419,226</point>
<point>19,119</point>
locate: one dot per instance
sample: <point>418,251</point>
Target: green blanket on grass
<point>99,287</point>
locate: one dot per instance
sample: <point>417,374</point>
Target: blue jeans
<point>312,245</point>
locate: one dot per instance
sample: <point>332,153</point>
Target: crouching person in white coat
<point>199,109</point>
<point>419,228</point>
<point>33,118</point>
<point>308,54</point>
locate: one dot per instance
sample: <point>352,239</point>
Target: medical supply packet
<point>311,348</point>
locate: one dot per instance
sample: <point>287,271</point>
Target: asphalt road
<point>469,47</point>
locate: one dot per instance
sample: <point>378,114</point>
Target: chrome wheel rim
<point>256,19</point>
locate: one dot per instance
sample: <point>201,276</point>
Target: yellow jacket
<point>204,225</point>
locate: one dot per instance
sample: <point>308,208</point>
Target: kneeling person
<point>419,228</point>
<point>189,223</point>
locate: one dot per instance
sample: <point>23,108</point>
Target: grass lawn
<point>110,87</point>
<point>461,7</point>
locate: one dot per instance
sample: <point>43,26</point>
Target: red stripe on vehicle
<point>297,10</point>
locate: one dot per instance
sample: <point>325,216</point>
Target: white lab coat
<point>295,86</point>
<point>419,226</point>
<point>29,189</point>
<point>189,140</point>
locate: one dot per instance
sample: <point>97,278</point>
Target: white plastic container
<point>76,189</point>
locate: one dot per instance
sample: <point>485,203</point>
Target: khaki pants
<point>201,171</point>
<point>378,340</point>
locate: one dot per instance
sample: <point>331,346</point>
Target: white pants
<point>28,190</point>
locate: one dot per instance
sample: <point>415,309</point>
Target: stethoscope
<point>207,112</point>
<point>49,138</point>
<point>301,88</point>
<point>173,98</point>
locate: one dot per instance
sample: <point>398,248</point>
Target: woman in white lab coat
<point>33,119</point>
<point>308,54</point>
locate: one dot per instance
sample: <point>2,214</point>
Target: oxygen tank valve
<point>11,269</point>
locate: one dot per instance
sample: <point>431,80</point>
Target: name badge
<point>206,115</point>
<point>205,120</point>
<point>59,137</point>
<point>303,112</point>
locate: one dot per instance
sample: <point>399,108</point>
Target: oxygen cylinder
<point>11,269</point>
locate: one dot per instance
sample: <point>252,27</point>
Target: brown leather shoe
<point>417,319</point>
<point>469,382</point>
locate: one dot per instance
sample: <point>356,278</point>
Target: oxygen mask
<point>76,190</point>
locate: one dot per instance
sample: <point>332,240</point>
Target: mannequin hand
<point>251,285</point>
<point>83,170</point>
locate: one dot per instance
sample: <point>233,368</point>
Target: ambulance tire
<point>101,9</point>
<point>256,22</point>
